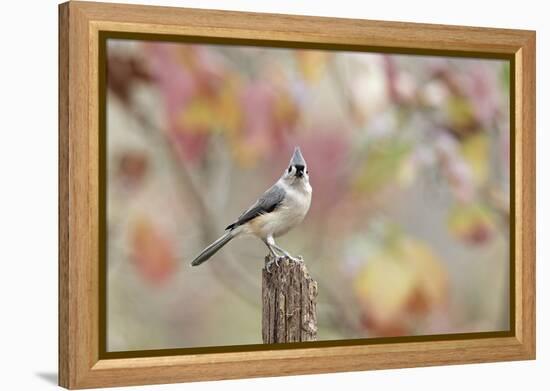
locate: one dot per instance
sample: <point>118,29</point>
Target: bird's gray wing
<point>267,203</point>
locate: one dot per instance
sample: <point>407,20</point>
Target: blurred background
<point>408,232</point>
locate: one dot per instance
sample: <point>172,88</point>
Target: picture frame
<point>83,28</point>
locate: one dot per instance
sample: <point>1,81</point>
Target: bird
<point>282,207</point>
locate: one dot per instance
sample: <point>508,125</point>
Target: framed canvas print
<point>247,195</point>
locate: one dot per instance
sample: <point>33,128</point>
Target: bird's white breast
<point>290,213</point>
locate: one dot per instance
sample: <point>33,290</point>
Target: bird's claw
<point>274,260</point>
<point>298,259</point>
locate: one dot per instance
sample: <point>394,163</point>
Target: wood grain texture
<point>64,353</point>
<point>289,302</point>
<point>78,241</point>
<point>80,23</point>
<point>525,190</point>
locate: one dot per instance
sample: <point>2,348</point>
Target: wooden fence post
<point>289,303</point>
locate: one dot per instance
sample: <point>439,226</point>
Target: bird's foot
<point>298,259</point>
<point>274,260</point>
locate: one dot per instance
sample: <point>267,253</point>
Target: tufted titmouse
<point>282,207</point>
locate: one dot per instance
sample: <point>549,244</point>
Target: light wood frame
<point>80,365</point>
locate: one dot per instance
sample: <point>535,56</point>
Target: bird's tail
<point>213,248</point>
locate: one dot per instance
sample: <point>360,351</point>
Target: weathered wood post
<point>289,303</point>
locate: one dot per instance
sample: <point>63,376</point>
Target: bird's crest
<point>297,158</point>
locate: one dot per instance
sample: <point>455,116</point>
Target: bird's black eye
<point>289,169</point>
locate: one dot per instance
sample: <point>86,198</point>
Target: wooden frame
<point>80,24</point>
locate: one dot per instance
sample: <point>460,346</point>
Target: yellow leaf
<point>284,109</point>
<point>402,279</point>
<point>198,116</point>
<point>460,112</point>
<point>312,64</point>
<point>431,276</point>
<point>245,155</point>
<point>472,223</point>
<point>220,112</point>
<point>382,165</point>
<point>228,111</point>
<point>406,172</point>
<point>384,285</point>
<point>475,150</point>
